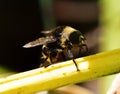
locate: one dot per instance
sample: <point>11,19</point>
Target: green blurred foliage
<point>110,26</point>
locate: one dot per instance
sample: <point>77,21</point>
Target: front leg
<point>70,55</point>
<point>82,46</point>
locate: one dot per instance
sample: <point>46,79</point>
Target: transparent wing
<point>40,41</point>
<point>47,32</point>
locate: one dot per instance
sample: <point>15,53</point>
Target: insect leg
<point>70,55</point>
<point>51,61</point>
<point>85,47</point>
<point>44,60</point>
<point>47,54</point>
<point>81,47</point>
<point>63,55</point>
<point>53,55</point>
<point>76,64</point>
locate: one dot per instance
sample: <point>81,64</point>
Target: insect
<point>57,40</point>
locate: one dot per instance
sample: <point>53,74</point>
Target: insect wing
<point>46,32</point>
<point>40,41</point>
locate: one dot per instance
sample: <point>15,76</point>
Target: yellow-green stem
<point>63,73</point>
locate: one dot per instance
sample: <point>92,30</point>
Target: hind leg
<point>54,55</point>
<point>44,61</point>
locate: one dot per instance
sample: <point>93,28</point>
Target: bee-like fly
<point>59,39</point>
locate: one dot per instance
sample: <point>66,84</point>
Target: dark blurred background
<point>21,22</point>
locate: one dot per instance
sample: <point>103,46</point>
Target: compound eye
<point>74,37</point>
